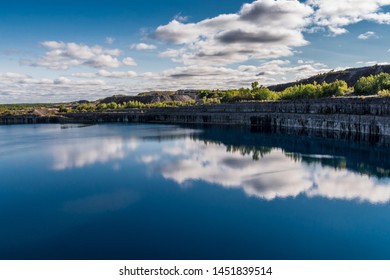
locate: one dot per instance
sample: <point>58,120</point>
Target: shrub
<point>384,93</point>
<point>263,93</point>
<point>372,84</point>
<point>101,106</point>
<point>63,109</point>
<point>112,106</point>
<point>337,88</point>
<point>86,107</point>
<point>308,91</point>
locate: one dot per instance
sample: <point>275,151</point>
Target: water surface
<point>169,192</point>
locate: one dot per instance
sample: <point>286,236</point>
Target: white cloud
<point>181,18</point>
<point>62,56</point>
<point>21,88</point>
<point>171,53</point>
<point>336,15</point>
<point>117,75</point>
<point>373,62</point>
<point>53,44</point>
<point>129,61</point>
<point>211,77</point>
<point>304,69</point>
<point>204,76</point>
<point>143,47</point>
<point>84,75</point>
<point>31,81</point>
<point>17,78</point>
<point>367,35</point>
<point>103,60</point>
<point>262,29</point>
<point>67,81</point>
<point>11,77</point>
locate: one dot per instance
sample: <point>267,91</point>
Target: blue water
<point>169,192</point>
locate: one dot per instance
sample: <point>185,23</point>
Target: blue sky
<point>67,50</point>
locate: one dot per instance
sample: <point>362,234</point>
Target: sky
<point>56,50</point>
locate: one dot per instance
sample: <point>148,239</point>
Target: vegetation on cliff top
<point>378,84</point>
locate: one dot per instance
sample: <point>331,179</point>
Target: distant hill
<point>351,76</point>
<point>149,97</point>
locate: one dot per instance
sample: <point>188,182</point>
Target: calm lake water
<point>169,192</point>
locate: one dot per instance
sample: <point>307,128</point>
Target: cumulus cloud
<point>61,56</point>
<point>336,15</point>
<point>129,61</point>
<point>262,29</point>
<point>143,47</point>
<point>103,60</point>
<point>367,35</point>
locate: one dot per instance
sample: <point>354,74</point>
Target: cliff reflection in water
<point>270,166</point>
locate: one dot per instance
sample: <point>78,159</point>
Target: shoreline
<point>352,115</point>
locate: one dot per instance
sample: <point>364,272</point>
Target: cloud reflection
<point>96,150</point>
<point>273,176</point>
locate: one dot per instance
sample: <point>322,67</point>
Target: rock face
<point>351,76</point>
<point>359,116</point>
<point>369,116</point>
<point>29,119</point>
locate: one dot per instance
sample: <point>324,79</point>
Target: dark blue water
<point>168,192</point>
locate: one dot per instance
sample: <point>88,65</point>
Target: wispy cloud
<point>181,18</point>
<point>367,35</point>
<point>110,40</point>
